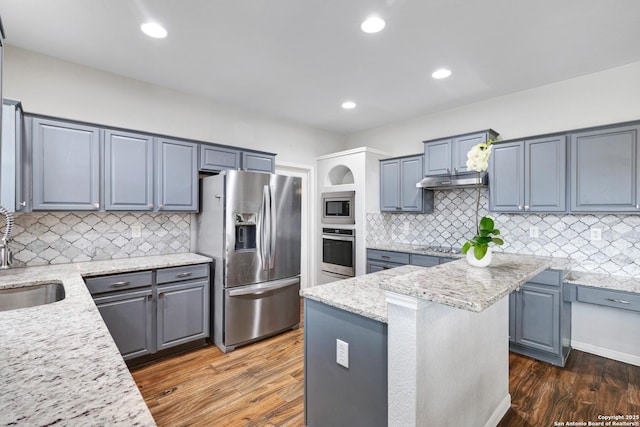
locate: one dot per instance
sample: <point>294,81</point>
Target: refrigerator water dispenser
<point>245,224</point>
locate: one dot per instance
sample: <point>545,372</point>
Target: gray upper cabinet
<point>528,176</point>
<point>66,165</point>
<point>398,192</point>
<point>449,156</point>
<point>128,171</point>
<point>213,159</point>
<point>604,170</point>
<point>437,156</point>
<point>177,169</point>
<point>258,162</point>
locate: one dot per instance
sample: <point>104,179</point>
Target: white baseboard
<point>499,412</point>
<point>606,352</point>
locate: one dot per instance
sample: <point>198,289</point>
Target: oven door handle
<point>263,288</point>
<point>336,237</point>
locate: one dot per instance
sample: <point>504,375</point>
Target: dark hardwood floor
<point>263,385</point>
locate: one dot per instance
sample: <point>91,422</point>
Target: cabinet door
<point>258,162</point>
<point>545,174</point>
<point>604,170</point>
<point>410,174</point>
<point>128,171</point>
<point>217,158</point>
<point>177,175</point>
<point>538,318</point>
<point>437,157</point>
<point>374,266</point>
<point>506,177</point>
<point>129,318</point>
<point>66,168</point>
<point>460,147</point>
<point>183,313</point>
<point>390,186</point>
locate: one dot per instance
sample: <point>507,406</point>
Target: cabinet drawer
<point>187,272</point>
<point>118,282</point>
<point>617,299</point>
<point>388,256</point>
<point>424,260</point>
<point>548,277</point>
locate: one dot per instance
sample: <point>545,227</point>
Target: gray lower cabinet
<point>528,176</point>
<point>128,171</point>
<point>258,162</point>
<point>335,395</point>
<point>605,174</point>
<point>540,319</point>
<point>150,311</point>
<point>398,192</point>
<point>449,156</point>
<point>214,159</point>
<point>66,165</point>
<point>129,316</point>
<point>378,260</point>
<point>177,175</point>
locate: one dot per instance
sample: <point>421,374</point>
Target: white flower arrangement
<point>478,157</point>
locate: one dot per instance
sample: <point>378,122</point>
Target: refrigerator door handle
<point>272,231</point>
<point>263,232</point>
<point>262,288</point>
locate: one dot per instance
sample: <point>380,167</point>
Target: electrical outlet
<point>596,234</point>
<point>136,231</point>
<point>342,353</point>
<point>534,232</point>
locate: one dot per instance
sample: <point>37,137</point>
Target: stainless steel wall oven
<point>339,251</point>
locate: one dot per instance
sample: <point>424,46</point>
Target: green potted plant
<point>478,160</point>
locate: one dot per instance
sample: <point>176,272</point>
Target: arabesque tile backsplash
<point>562,235</point>
<point>42,238</point>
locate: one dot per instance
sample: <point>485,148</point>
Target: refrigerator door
<point>256,311</point>
<point>246,238</point>
<point>285,217</point>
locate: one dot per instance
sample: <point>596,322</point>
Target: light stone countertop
<point>460,285</point>
<point>360,295</point>
<point>557,263</point>
<point>456,284</point>
<point>58,362</point>
<point>605,281</point>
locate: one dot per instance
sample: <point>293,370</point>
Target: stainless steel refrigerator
<point>249,222</point>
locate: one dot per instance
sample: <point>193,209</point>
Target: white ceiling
<point>300,59</point>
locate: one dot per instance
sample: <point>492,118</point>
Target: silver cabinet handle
<point>96,205</point>
<point>526,208</point>
<point>519,207</point>
<point>120,284</point>
<point>150,205</point>
<point>160,206</point>
<point>184,274</point>
<point>23,204</point>
<point>637,206</point>
<point>448,170</point>
<point>620,301</point>
<point>455,170</point>
<point>385,257</point>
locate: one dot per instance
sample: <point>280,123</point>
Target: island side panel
<point>335,395</point>
<point>458,369</point>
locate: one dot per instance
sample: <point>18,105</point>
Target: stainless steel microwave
<point>338,207</point>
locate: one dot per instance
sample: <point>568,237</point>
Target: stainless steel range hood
<point>451,182</point>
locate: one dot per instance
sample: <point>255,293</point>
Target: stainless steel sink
<point>30,296</point>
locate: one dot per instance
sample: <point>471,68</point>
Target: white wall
<point>50,86</point>
<point>609,96</point>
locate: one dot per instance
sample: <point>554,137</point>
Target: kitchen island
<point>446,337</point>
<point>58,362</point>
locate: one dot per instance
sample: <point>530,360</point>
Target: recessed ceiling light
<point>442,73</point>
<point>372,24</point>
<point>348,105</point>
<point>154,30</point>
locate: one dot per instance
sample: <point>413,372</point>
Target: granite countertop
<point>606,281</point>
<point>557,263</point>
<point>458,284</point>
<point>360,295</point>
<point>58,362</point>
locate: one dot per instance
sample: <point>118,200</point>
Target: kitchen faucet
<point>5,253</point>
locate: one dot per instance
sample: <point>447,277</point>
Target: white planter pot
<point>482,262</point>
